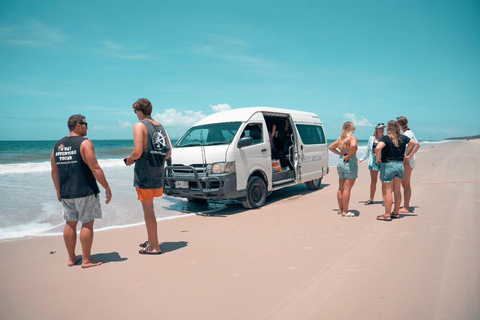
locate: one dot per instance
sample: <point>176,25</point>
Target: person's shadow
<point>108,257</point>
<point>172,246</point>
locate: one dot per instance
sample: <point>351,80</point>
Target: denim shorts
<point>347,170</point>
<point>391,170</point>
<point>375,166</point>
<point>83,209</point>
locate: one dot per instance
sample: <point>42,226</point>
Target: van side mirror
<point>245,141</point>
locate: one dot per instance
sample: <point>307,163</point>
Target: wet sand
<point>294,258</point>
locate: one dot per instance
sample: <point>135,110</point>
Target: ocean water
<point>28,203</point>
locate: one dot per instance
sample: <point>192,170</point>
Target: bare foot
<point>91,263</point>
<point>404,210</point>
<point>72,262</point>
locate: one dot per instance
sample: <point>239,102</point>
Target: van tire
<point>314,184</point>
<point>256,193</point>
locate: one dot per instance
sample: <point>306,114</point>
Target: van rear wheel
<point>314,184</point>
<point>256,193</point>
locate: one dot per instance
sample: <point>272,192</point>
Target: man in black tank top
<point>75,172</point>
<point>151,148</point>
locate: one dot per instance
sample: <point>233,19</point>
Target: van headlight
<point>223,167</point>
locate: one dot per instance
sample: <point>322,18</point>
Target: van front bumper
<point>198,185</point>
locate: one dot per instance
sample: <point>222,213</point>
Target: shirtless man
<point>347,166</point>
<point>75,170</point>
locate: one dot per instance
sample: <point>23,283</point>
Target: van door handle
<point>264,150</point>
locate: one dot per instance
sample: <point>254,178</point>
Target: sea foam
<point>32,167</point>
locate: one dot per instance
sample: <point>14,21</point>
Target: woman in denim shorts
<point>373,166</point>
<point>391,151</point>
<point>347,167</point>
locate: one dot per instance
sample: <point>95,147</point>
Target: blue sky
<point>366,61</point>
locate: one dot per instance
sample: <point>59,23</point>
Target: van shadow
<point>172,246</point>
<point>290,192</point>
<point>108,257</point>
<point>234,206</point>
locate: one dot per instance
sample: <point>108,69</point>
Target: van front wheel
<point>314,184</point>
<point>256,193</point>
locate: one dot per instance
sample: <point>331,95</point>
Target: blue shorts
<point>375,166</point>
<point>348,170</point>
<point>391,170</point>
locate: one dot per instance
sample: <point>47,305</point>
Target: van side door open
<point>253,157</point>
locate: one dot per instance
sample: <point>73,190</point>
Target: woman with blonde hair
<point>347,167</point>
<point>373,166</point>
<point>391,151</point>
<point>408,166</point>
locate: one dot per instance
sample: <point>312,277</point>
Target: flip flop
<point>368,202</point>
<point>383,218</point>
<point>395,215</point>
<point>145,251</point>
<point>144,245</point>
<point>349,214</point>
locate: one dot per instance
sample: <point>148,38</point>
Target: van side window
<point>254,130</point>
<point>311,134</point>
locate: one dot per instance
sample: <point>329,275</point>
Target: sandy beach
<point>294,258</point>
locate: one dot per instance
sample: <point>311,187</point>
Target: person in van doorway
<point>373,166</point>
<point>271,136</point>
<point>391,152</point>
<point>408,166</point>
<point>75,172</point>
<point>347,166</point>
<point>151,148</point>
<point>283,141</point>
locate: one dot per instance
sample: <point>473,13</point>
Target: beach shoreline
<point>294,258</point>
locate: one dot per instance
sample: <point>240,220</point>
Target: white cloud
<point>220,107</point>
<point>235,52</point>
<point>362,122</point>
<point>124,124</point>
<point>174,118</point>
<point>32,34</point>
<point>120,126</point>
<point>111,49</point>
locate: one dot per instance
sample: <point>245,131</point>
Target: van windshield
<point>209,134</point>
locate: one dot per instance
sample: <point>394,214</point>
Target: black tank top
<point>76,178</point>
<point>148,172</point>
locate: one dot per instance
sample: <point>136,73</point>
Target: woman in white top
<point>373,166</point>
<point>408,165</point>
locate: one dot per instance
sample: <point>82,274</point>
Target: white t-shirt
<point>409,133</point>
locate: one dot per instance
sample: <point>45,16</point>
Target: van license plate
<point>181,184</point>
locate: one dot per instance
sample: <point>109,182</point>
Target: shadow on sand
<point>108,257</point>
<point>235,206</point>
<point>172,246</point>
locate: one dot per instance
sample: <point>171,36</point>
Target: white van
<point>231,155</point>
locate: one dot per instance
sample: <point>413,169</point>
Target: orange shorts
<point>148,194</point>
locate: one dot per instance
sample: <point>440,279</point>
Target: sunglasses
<point>135,111</point>
<point>85,123</point>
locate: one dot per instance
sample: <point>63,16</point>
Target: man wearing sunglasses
<point>75,172</point>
